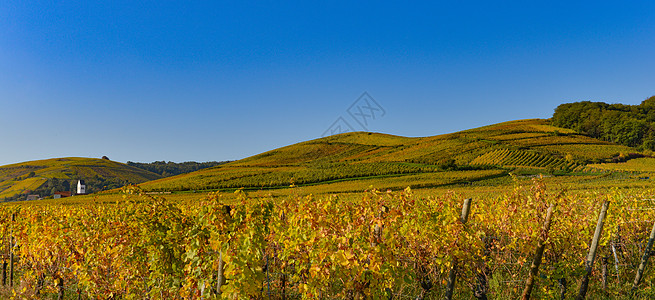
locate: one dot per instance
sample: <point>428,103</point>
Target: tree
<point>630,125</point>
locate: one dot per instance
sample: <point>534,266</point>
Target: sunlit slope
<point>17,178</point>
<point>641,165</point>
<point>386,161</point>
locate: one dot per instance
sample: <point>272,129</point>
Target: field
<point>641,165</point>
<point>356,216</point>
<point>475,160</point>
<point>374,244</point>
<point>354,161</point>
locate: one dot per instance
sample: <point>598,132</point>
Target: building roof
<point>63,194</point>
<point>81,182</point>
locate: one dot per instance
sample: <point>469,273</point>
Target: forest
<point>629,125</point>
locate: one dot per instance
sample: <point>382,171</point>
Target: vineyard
<point>641,165</point>
<point>352,162</point>
<point>529,145</point>
<point>25,177</point>
<point>530,241</point>
<point>256,177</point>
<point>521,158</point>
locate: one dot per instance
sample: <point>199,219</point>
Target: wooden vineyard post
<point>283,284</point>
<point>268,279</point>
<point>221,277</point>
<point>616,258</point>
<point>466,209</point>
<point>11,262</point>
<point>4,263</point>
<point>39,284</point>
<point>452,275</point>
<point>644,259</point>
<point>283,276</point>
<point>11,252</point>
<point>541,246</point>
<point>377,230</point>
<point>59,283</point>
<point>589,264</point>
<point>481,286</point>
<point>604,260</point>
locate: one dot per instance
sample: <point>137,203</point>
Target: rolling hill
<point>355,161</point>
<point>60,173</point>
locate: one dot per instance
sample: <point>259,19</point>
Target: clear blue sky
<point>164,80</point>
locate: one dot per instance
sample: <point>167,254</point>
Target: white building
<point>81,187</point>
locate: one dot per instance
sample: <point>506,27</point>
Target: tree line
<point>170,168</point>
<point>629,125</point>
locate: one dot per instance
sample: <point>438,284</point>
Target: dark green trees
<point>630,125</point>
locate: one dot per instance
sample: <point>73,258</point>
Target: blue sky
<point>165,80</point>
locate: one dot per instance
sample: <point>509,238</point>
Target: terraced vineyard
<point>522,158</point>
<point>356,161</point>
<point>382,160</point>
<point>310,232</point>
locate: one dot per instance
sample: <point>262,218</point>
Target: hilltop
<point>630,125</point>
<point>355,161</point>
<point>44,177</point>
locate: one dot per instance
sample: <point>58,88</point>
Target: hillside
<point>355,161</point>
<point>630,125</point>
<point>167,169</point>
<point>42,176</point>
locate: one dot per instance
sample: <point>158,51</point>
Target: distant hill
<point>44,177</point>
<point>354,161</point>
<point>167,169</point>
